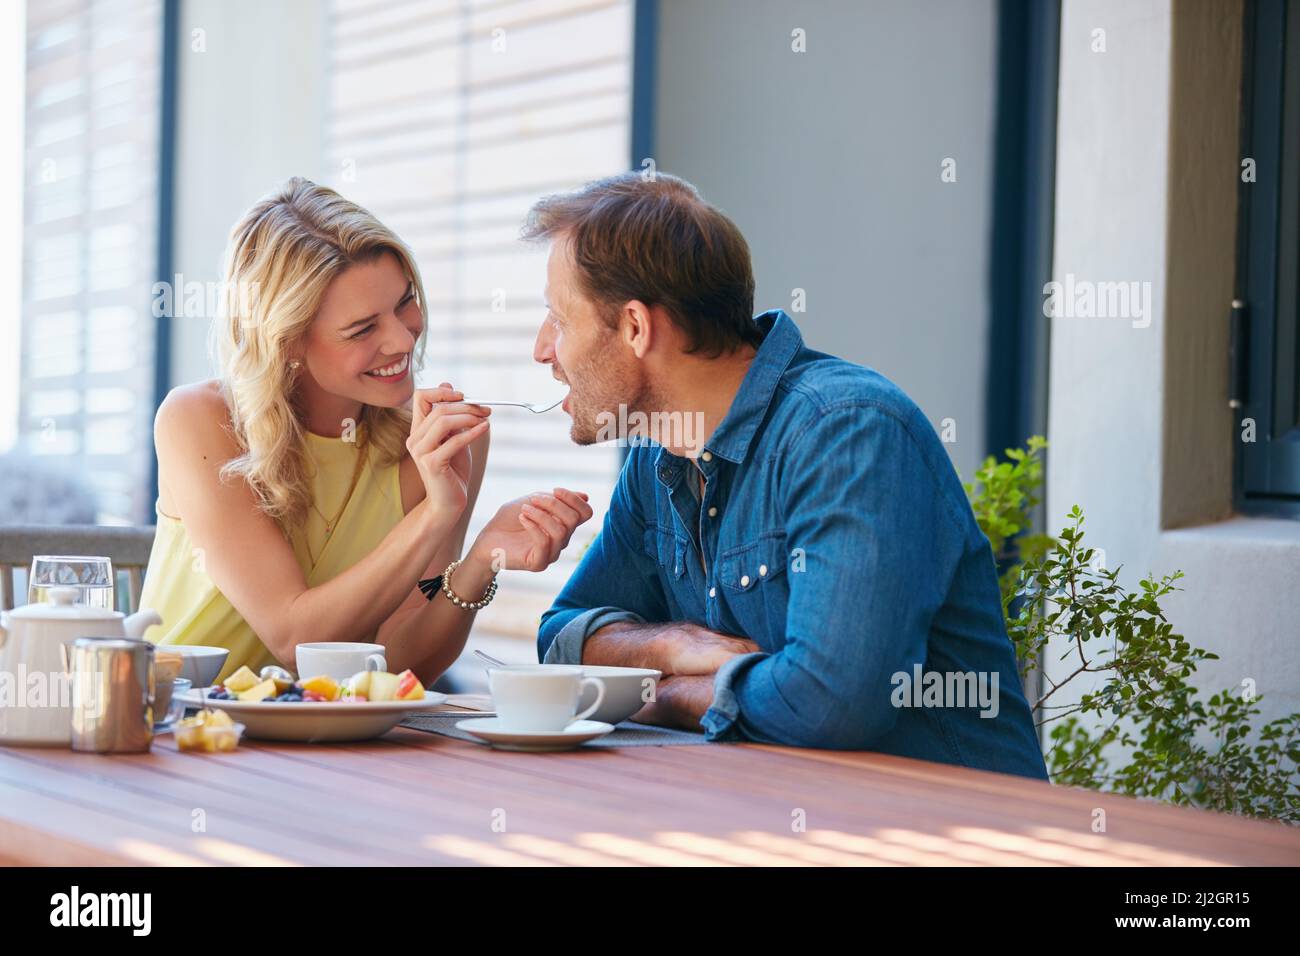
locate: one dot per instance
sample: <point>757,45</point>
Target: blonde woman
<point>304,493</point>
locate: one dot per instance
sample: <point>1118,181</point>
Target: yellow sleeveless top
<point>195,612</point>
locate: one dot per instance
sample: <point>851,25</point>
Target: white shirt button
<point>713,592</point>
<point>762,570</point>
<point>744,581</point>
<point>713,512</point>
<point>707,456</point>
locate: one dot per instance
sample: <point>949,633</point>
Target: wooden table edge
<point>22,844</point>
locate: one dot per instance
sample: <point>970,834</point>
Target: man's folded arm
<point>880,547</point>
<point>616,581</point>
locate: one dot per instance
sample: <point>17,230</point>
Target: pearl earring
<point>295,365</point>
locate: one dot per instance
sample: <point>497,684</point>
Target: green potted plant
<point>1135,725</point>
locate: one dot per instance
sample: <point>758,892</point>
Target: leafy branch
<point>1135,725</point>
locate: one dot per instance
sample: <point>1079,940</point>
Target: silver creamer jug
<point>112,694</point>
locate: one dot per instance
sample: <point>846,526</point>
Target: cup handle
<point>376,662</point>
<point>600,696</point>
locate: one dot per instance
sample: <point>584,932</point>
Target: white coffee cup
<point>338,660</point>
<point>541,696</point>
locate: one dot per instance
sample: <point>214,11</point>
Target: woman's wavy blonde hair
<point>281,257</point>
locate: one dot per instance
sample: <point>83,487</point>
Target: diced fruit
<point>259,691</point>
<point>383,686</point>
<point>325,686</point>
<point>189,733</point>
<point>241,680</point>
<point>359,684</point>
<point>409,686</point>
<point>209,731</point>
<point>312,696</point>
<point>282,686</point>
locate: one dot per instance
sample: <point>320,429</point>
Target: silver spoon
<point>274,672</point>
<point>531,406</point>
<point>488,658</point>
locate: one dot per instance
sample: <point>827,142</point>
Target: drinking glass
<point>90,577</point>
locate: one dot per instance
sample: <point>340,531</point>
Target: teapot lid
<point>62,606</point>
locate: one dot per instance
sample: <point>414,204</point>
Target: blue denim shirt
<point>842,544</point>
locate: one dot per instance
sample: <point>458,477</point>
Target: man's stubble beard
<point>596,410</point>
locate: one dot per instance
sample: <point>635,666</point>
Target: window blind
<point>447,119</point>
<point>90,225</point>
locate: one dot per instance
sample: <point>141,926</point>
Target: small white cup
<point>541,696</point>
<point>338,660</point>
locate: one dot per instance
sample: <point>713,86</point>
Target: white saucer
<point>576,734</point>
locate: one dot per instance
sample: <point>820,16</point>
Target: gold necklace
<point>330,523</point>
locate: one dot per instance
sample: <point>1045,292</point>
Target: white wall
<point>248,117</point>
<point>829,161</point>
<point>1108,405</point>
<point>1106,376</point>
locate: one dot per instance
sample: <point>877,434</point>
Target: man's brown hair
<point>656,240</point>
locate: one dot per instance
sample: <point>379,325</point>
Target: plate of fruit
<point>276,706</point>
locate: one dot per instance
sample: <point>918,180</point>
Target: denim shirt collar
<point>732,438</point>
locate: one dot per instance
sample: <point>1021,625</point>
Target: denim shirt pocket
<point>667,550</point>
<point>753,578</point>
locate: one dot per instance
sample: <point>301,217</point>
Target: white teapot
<point>35,693</point>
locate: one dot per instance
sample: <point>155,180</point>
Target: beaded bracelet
<point>431,586</point>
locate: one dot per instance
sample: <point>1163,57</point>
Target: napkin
<point>458,704</point>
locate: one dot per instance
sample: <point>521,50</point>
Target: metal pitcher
<point>112,694</point>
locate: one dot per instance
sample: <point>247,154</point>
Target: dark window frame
<point>1023,211</point>
<point>163,269</point>
<point>1266,317</point>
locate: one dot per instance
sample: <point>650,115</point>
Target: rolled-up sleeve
<point>615,580</point>
<point>878,546</point>
<point>575,626</point>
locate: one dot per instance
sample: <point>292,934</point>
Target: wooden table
<point>419,798</point>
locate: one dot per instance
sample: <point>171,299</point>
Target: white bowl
<point>624,690</point>
<point>200,664</point>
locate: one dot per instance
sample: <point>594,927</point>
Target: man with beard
<point>810,552</point>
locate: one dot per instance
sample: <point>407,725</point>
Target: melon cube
<point>259,691</point>
<point>383,686</point>
<point>241,680</point>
